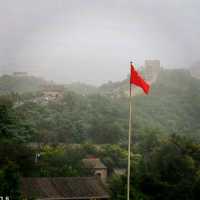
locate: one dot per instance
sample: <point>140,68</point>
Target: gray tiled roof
<point>93,163</point>
<point>63,188</point>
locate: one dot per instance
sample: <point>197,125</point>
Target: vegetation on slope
<point>20,85</point>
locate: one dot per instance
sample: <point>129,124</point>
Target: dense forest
<point>172,107</point>
<point>165,157</point>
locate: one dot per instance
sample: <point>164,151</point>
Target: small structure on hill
<point>20,74</point>
<point>65,188</point>
<point>97,167</point>
<point>53,92</point>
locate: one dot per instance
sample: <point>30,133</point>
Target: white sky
<point>93,41</point>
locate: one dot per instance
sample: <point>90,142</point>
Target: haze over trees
<point>166,135</point>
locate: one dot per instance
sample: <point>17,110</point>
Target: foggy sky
<point>93,41</point>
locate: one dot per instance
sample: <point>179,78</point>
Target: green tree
<point>9,181</point>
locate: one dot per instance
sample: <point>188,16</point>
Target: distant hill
<point>23,84</point>
<point>173,104</point>
<point>115,89</point>
<point>171,107</point>
<point>118,89</point>
<point>20,84</point>
<point>81,88</point>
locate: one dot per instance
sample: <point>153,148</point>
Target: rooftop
<point>93,163</point>
<point>63,188</point>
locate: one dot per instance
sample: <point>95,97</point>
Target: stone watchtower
<point>152,69</point>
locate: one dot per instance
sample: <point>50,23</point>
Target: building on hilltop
<point>20,74</point>
<point>65,188</point>
<point>97,167</point>
<point>52,92</point>
<point>151,69</point>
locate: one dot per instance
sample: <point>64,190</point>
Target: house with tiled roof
<point>97,167</point>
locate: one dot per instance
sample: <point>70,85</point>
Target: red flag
<point>136,79</point>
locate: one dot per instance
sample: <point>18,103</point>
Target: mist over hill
<point>173,103</point>
<point>20,84</point>
<point>171,106</point>
<point>100,114</point>
<point>23,84</point>
<point>82,88</point>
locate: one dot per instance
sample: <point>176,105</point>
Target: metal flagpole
<point>129,142</point>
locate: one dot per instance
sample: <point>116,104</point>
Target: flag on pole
<point>136,79</point>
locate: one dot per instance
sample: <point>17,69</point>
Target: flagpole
<point>129,141</point>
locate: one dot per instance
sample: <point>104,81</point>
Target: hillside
<point>118,89</point>
<point>9,83</point>
<point>171,107</point>
<point>92,113</point>
<point>173,104</point>
<point>81,88</point>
